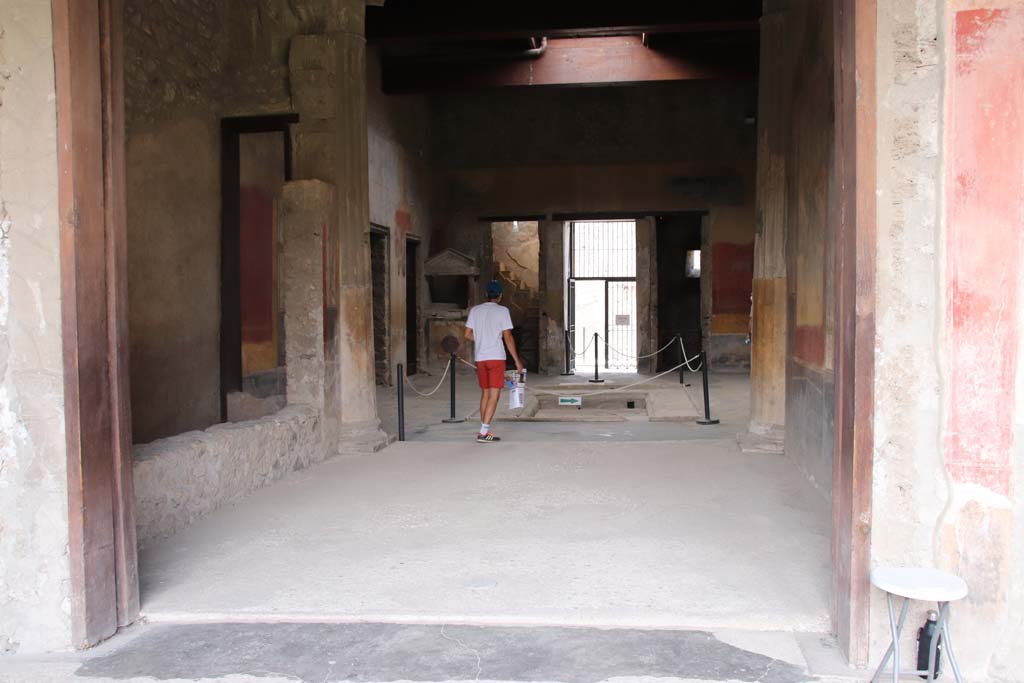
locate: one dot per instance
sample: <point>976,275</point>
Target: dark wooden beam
<point>853,216</point>
<point>415,20</point>
<point>576,61</point>
<point>90,164</point>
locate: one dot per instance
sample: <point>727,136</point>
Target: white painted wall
<point>34,566</point>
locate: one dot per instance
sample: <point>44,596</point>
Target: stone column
<point>307,206</point>
<point>552,297</point>
<point>768,340</point>
<point>328,80</point>
<point>646,293</point>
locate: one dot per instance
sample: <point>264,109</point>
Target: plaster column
<point>768,339</point>
<point>328,80</point>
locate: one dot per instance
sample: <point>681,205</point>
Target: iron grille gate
<point>602,265</point>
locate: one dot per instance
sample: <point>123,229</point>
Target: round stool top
<point>920,583</point>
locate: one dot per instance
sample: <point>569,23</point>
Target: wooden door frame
<point>88,54</point>
<point>88,41</point>
<point>853,216</point>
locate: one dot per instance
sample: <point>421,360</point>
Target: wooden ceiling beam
<point>576,62</point>
<point>440,20</point>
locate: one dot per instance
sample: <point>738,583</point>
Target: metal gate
<point>601,292</point>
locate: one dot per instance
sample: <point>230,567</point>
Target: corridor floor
<point>688,533</point>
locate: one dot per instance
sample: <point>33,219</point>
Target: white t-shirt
<point>488,321</point>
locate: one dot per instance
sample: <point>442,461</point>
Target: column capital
<point>331,16</point>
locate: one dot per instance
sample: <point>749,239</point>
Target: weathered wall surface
<point>400,189</point>
<point>639,150</point>
<point>34,569</point>
<point>188,65</point>
<point>184,477</point>
<point>909,493</point>
<point>792,282</point>
<point>175,62</point>
<point>948,417</point>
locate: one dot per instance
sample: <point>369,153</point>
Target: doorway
<point>412,304</point>
<point>515,263</point>
<point>679,284</point>
<point>255,164</point>
<point>379,287</point>
<point>602,287</point>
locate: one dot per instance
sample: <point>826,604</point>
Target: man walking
<point>488,324</point>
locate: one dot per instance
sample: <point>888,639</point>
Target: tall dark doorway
<point>381,309</point>
<point>255,163</point>
<point>412,308</point>
<point>679,271</point>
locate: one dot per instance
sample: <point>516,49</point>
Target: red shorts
<point>491,373</point>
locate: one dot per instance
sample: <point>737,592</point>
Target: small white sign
<point>622,320</point>
<point>570,401</point>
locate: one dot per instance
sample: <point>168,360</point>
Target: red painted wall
<point>257,264</point>
<point>985,245</point>
<point>732,275</point>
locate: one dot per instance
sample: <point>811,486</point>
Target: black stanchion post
<point>682,360</point>
<point>451,371</point>
<point>597,378</point>
<point>401,402</point>
<point>568,371</point>
<point>707,400</point>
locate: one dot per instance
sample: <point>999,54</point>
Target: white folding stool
<point>918,583</point>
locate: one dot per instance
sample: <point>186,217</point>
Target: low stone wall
<point>182,478</point>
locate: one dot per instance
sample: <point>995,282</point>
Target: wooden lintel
<point>576,61</point>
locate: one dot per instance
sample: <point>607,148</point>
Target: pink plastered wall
<point>984,149</point>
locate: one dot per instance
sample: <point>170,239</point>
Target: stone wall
<point>185,477</point>
<point>175,73</point>
<point>400,193</point>
<point>35,599</point>
<point>188,65</point>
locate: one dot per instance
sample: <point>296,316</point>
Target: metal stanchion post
<point>682,360</point>
<point>565,340</point>
<point>401,402</point>
<point>707,401</point>
<point>451,371</point>
<point>597,379</point>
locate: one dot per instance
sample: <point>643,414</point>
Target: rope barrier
<point>584,351</point>
<point>649,355</point>
<point>603,392</point>
<point>447,367</point>
<point>686,361</point>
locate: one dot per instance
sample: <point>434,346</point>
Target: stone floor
<point>617,550</point>
<point>676,408</point>
<point>323,653</point>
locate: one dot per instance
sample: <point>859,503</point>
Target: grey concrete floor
<point>442,559</point>
<point>323,653</point>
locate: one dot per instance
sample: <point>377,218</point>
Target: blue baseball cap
<point>494,289</point>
